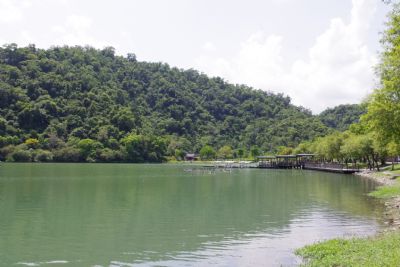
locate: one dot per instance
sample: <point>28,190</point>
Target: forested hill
<point>64,95</point>
<point>342,116</point>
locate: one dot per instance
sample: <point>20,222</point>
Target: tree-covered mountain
<point>81,103</point>
<point>342,116</point>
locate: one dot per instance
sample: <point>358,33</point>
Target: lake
<point>160,215</point>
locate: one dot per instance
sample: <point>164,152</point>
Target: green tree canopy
<point>383,116</point>
<point>88,147</point>
<point>67,94</point>
<point>207,152</point>
<point>225,152</point>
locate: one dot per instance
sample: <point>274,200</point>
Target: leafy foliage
<point>346,147</point>
<point>93,105</point>
<point>225,152</point>
<point>342,116</point>
<point>383,115</point>
<point>207,152</point>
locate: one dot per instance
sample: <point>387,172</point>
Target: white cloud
<point>26,38</point>
<point>338,69</point>
<point>258,56</point>
<point>79,24</point>
<point>12,10</point>
<point>76,30</point>
<point>63,2</point>
<point>209,47</point>
<point>124,34</point>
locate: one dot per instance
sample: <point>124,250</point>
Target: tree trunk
<point>369,163</point>
<point>393,164</point>
<point>375,161</point>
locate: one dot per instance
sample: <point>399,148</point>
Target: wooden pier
<point>302,161</point>
<point>331,167</point>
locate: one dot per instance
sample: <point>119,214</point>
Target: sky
<point>321,53</point>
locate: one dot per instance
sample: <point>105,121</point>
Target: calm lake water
<point>159,215</point>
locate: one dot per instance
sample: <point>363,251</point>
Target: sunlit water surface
<point>160,215</point>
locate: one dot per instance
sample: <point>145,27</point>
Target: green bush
<point>68,154</point>
<point>8,140</point>
<point>32,142</point>
<point>88,147</point>
<point>5,151</point>
<point>207,152</point>
<point>108,155</point>
<point>43,155</point>
<point>21,156</point>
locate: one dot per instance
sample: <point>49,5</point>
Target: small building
<point>287,161</point>
<point>305,158</point>
<point>284,161</point>
<point>266,161</point>
<point>191,157</point>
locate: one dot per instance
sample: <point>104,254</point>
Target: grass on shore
<point>381,250</point>
<point>387,191</point>
<point>396,168</point>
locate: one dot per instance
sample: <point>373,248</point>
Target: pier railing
<point>304,161</point>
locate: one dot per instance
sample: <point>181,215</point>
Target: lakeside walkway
<point>303,161</point>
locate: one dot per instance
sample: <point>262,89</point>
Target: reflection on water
<point>158,215</point>
<point>259,249</point>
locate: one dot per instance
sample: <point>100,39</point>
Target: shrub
<point>108,155</point>
<point>43,155</point>
<point>88,147</point>
<point>68,154</point>
<point>8,140</point>
<point>207,152</point>
<point>5,151</point>
<point>21,156</point>
<point>32,142</point>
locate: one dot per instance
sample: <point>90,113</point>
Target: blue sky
<point>321,53</point>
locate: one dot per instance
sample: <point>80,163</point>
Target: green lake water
<point>160,215</point>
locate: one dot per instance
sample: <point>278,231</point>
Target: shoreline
<point>392,204</point>
<point>380,249</point>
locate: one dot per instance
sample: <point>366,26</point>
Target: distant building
<point>191,157</point>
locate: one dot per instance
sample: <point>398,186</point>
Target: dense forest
<point>85,104</point>
<point>342,116</point>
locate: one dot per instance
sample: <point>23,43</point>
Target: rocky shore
<point>392,211</point>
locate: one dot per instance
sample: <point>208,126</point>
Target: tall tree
<point>383,116</point>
